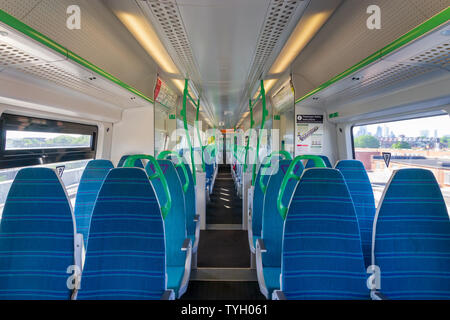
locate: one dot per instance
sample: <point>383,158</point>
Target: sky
<point>413,127</point>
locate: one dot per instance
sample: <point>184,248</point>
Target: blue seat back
<point>258,194</point>
<point>126,254</point>
<point>36,238</point>
<point>310,163</point>
<point>272,223</point>
<point>137,163</point>
<point>189,198</point>
<point>412,238</point>
<point>175,221</point>
<point>322,256</point>
<point>360,188</point>
<point>209,169</point>
<point>90,183</point>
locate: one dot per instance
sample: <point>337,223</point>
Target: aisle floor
<point>223,249</point>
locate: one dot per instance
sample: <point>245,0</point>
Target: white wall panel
<point>134,134</point>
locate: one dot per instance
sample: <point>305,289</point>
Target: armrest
<point>186,244</point>
<point>250,233</point>
<point>79,248</point>
<point>197,233</point>
<point>377,295</point>
<point>260,248</point>
<point>168,295</point>
<point>278,295</point>
<point>260,244</point>
<point>187,247</point>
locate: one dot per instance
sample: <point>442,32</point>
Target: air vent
<point>276,22</point>
<point>438,56</point>
<point>12,56</point>
<point>171,26</point>
<point>59,76</point>
<point>384,78</point>
<point>63,73</point>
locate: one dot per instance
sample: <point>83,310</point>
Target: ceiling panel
<point>223,36</point>
<point>102,39</point>
<point>343,42</point>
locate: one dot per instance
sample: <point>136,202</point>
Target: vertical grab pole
<point>199,136</point>
<point>188,138</point>
<point>249,135</point>
<point>263,122</point>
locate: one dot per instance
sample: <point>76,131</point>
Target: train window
<point>27,141</point>
<point>21,140</point>
<point>413,143</point>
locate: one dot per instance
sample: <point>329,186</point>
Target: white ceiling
<point>223,37</point>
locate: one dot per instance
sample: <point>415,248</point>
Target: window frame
<point>31,157</point>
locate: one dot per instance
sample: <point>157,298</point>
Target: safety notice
<point>308,134</point>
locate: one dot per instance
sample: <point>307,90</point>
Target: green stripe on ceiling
<point>39,37</point>
<point>432,23</point>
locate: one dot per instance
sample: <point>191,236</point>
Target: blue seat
<point>178,245</point>
<point>322,256</point>
<point>311,164</point>
<point>37,238</point>
<point>412,238</point>
<point>255,216</point>
<point>360,188</point>
<point>90,183</point>
<point>137,163</point>
<point>126,255</point>
<point>268,264</point>
<point>192,219</point>
<point>209,169</point>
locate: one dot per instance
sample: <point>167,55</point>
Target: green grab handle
<point>285,154</point>
<point>319,163</point>
<point>164,154</point>
<point>129,163</point>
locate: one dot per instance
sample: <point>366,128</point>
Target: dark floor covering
<point>223,249</point>
<point>223,290</point>
<point>225,207</point>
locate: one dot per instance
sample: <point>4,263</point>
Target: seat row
<point>136,246</point>
<point>321,245</point>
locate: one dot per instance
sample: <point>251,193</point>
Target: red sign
<point>157,88</point>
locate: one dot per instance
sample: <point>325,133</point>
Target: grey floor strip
<point>223,274</point>
<point>224,226</point>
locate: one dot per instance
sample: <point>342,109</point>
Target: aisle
<point>225,207</point>
<point>223,254</point>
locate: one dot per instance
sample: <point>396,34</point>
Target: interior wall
<point>330,141</point>
<point>134,134</point>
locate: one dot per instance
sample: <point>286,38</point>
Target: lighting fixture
<point>144,33</point>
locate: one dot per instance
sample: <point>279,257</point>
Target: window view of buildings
<point>415,143</point>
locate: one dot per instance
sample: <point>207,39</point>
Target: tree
<point>367,141</point>
<point>445,140</point>
<point>401,145</point>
